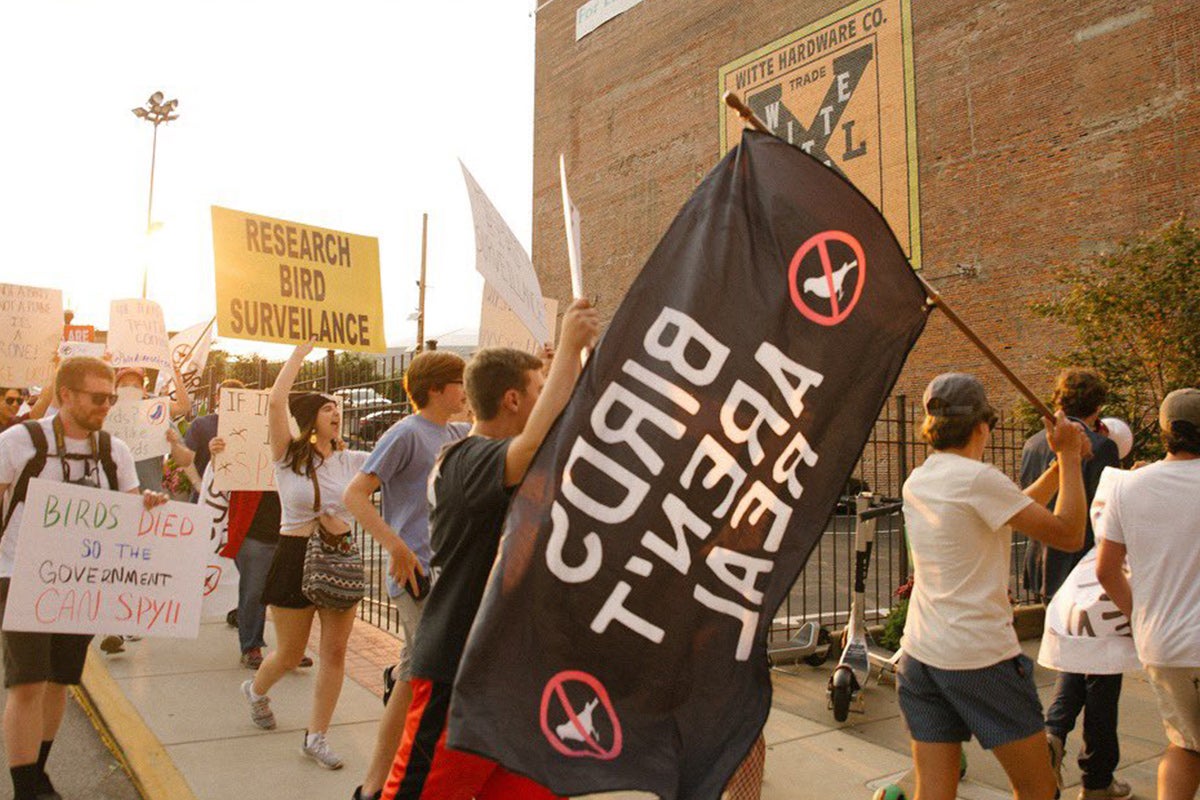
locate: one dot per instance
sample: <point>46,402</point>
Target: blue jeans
<point>1097,696</point>
<point>253,562</point>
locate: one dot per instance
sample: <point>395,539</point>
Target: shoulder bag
<point>333,565</point>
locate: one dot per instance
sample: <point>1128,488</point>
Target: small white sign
<point>70,349</point>
<point>141,424</point>
<point>95,561</point>
<point>137,336</point>
<point>500,327</point>
<point>246,463</point>
<point>594,13</point>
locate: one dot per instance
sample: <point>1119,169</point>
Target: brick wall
<point>1046,132</point>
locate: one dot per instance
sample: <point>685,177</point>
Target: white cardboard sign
<point>500,327</point>
<point>503,263</point>
<point>70,349</point>
<point>246,463</point>
<point>95,561</point>
<point>141,424</point>
<point>31,325</point>
<point>137,336</point>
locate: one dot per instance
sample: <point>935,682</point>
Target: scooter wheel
<point>822,655</point>
<point>889,792</point>
<point>839,693</point>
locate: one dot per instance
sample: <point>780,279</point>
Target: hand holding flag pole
<point>935,299</point>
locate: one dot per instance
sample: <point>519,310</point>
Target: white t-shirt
<point>16,448</point>
<point>956,512</point>
<point>1155,512</point>
<point>333,475</point>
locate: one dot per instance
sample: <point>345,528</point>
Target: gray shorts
<point>997,704</point>
<point>409,611</point>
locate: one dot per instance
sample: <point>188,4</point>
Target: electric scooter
<point>850,676</point>
<point>811,644</point>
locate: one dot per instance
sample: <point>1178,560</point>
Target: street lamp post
<point>157,110</point>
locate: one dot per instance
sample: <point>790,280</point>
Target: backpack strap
<point>104,453</point>
<point>33,467</point>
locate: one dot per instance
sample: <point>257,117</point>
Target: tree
<point>1135,315</point>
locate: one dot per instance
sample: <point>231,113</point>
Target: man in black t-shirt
<point>469,490</point>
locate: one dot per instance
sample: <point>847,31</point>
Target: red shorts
<point>425,769</point>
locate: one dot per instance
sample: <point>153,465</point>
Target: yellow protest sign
<point>280,281</point>
<point>842,90</point>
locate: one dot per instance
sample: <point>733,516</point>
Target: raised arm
<point>1064,528</point>
<point>278,432</point>
<point>581,327</point>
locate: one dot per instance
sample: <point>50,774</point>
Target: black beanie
<point>304,408</point>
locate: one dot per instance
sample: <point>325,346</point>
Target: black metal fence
<point>823,591</point>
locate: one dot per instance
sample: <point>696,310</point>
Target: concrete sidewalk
<point>186,727</point>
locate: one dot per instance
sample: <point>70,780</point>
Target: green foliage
<point>893,624</point>
<point>1135,316</point>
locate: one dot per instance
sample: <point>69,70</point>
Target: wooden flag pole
<point>735,102</point>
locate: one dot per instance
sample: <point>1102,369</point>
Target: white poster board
<point>246,463</point>
<point>137,336</point>
<point>503,263</point>
<point>141,424</point>
<point>95,561</point>
<point>189,353</point>
<point>220,573</point>
<point>571,223</point>
<point>31,325</point>
<point>70,349</point>
<point>500,327</point>
<point>1085,632</point>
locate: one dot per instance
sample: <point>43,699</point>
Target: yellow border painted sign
<point>280,281</point>
<point>842,89</point>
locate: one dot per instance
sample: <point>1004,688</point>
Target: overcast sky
<point>344,115</point>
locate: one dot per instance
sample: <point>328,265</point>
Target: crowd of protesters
<point>444,489</point>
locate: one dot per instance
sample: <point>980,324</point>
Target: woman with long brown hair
<point>311,472</point>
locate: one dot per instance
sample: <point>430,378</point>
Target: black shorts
<point>39,657</point>
<point>286,574</point>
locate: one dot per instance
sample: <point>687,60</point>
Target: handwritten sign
<point>95,561</point>
<point>500,327</point>
<point>141,424</point>
<point>242,422</point>
<point>73,347</point>
<point>503,263</point>
<point>30,327</point>
<point>246,463</point>
<point>137,336</point>
<point>281,281</point>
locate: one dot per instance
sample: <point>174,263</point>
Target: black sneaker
<point>389,683</point>
<point>358,795</point>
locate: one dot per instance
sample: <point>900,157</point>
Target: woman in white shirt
<point>318,451</point>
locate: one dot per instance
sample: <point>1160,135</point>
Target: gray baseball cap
<point>956,394</point>
<point>1181,405</point>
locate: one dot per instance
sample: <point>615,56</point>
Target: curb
<point>153,772</point>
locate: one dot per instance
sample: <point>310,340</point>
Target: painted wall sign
<point>842,89</point>
<point>594,13</point>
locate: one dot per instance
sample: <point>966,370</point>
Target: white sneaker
<point>260,709</point>
<point>317,748</point>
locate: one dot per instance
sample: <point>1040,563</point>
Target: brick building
<point>1025,136</point>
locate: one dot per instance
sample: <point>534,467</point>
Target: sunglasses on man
<point>12,401</point>
<point>98,398</point>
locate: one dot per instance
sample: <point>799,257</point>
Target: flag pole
<point>750,118</point>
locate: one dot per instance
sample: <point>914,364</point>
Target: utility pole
<point>157,111</point>
<point>421,286</point>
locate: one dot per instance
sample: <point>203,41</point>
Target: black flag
<point>621,643</point>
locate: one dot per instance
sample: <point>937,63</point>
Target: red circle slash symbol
<point>848,257</point>
<point>212,579</point>
<point>580,725</point>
